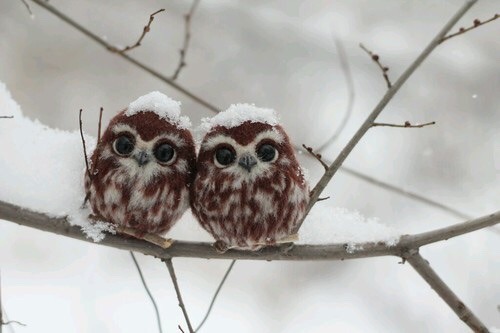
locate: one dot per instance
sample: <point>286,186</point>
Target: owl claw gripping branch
<point>249,190</point>
<point>142,167</point>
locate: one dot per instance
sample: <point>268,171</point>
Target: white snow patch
<point>162,105</point>
<point>326,224</point>
<point>42,168</point>
<point>237,114</point>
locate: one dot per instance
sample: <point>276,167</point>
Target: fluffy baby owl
<point>142,167</point>
<point>249,190</point>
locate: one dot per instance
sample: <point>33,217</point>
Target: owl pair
<point>245,187</point>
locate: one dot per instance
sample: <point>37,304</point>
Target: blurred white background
<point>277,54</point>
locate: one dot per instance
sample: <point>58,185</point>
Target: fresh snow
<point>162,105</point>
<point>237,114</point>
<point>42,169</point>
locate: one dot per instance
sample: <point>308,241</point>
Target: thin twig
<point>376,59</point>
<point>333,168</point>
<point>476,24</point>
<point>6,117</point>
<point>337,251</point>
<point>145,30</point>
<point>441,288</point>
<point>317,156</point>
<point>27,8</point>
<point>344,64</point>
<point>99,125</point>
<point>215,296</point>
<point>125,56</point>
<point>171,270</point>
<point>84,145</point>
<point>145,285</point>
<point>407,124</point>
<point>180,328</point>
<point>187,38</point>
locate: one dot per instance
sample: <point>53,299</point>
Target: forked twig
<point>407,124</point>
<point>84,144</point>
<point>476,24</point>
<point>441,288</point>
<point>215,296</point>
<point>187,38</point>
<point>145,30</point>
<point>171,270</point>
<point>376,59</point>
<point>146,288</point>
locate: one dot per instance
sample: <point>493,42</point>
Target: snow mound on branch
<point>237,114</point>
<point>41,168</point>
<point>326,224</point>
<point>162,105</point>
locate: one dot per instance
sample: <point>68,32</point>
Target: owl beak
<point>142,158</point>
<point>247,162</point>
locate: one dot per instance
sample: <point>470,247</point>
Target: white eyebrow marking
<point>222,138</point>
<point>118,128</point>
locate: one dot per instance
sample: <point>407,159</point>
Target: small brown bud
<point>407,124</point>
<point>477,22</point>
<point>375,57</point>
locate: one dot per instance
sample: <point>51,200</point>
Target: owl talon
<point>220,247</point>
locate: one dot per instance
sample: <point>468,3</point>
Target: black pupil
<point>124,145</point>
<point>164,152</point>
<point>224,156</point>
<point>266,153</point>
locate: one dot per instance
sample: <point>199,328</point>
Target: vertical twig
<point>215,296</point>
<point>145,285</point>
<point>99,126</point>
<point>441,288</point>
<point>187,38</point>
<point>84,145</point>
<point>171,270</point>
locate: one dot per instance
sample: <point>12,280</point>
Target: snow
<point>326,224</point>
<point>42,170</point>
<point>162,105</point>
<point>237,114</point>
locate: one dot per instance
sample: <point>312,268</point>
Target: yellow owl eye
<point>123,145</point>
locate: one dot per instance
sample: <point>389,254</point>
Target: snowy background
<point>281,55</point>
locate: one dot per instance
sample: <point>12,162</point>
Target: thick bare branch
<point>407,124</point>
<point>376,59</point>
<point>171,270</point>
<point>46,5</point>
<point>441,288</point>
<point>476,24</point>
<point>333,168</point>
<point>187,38</point>
<point>224,278</point>
<point>146,288</point>
<point>61,226</point>
<point>145,30</point>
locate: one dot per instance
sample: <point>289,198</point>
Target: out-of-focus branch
<point>224,278</point>
<point>125,56</point>
<point>337,251</point>
<point>376,59</point>
<point>28,8</point>
<point>344,65</point>
<point>6,117</point>
<point>441,288</point>
<point>171,270</point>
<point>476,24</point>
<point>145,30</point>
<point>187,38</point>
<point>407,124</point>
<point>146,288</point>
<point>333,168</point>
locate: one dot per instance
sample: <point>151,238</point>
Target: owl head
<point>246,144</point>
<point>147,140</point>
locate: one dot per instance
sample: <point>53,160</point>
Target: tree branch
<point>145,30</point>
<point>376,59</point>
<point>430,276</point>
<point>186,249</point>
<point>333,168</point>
<point>407,124</point>
<point>187,38</point>
<point>476,24</point>
<point>171,270</point>
<point>6,117</point>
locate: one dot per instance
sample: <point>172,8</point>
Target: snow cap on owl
<point>162,105</point>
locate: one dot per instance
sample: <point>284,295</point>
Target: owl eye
<point>123,145</point>
<point>164,153</point>
<point>224,157</point>
<point>267,153</point>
